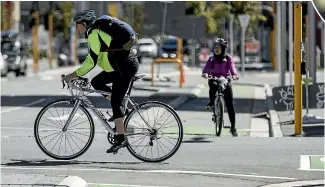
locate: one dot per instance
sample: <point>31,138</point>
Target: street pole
<point>283,61</point>
<point>297,69</point>
<point>323,37</point>
<point>311,41</point>
<point>16,15</point>
<point>231,33</point>
<point>163,28</point>
<point>242,52</point>
<point>35,38</point>
<point>290,42</point>
<point>273,39</point>
<point>278,37</point>
<point>51,35</point>
<point>244,22</point>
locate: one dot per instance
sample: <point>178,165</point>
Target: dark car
<point>14,52</point>
<point>169,48</point>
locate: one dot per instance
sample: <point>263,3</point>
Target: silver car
<point>3,66</point>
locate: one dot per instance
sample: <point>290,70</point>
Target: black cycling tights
<point>228,95</point>
<point>121,78</point>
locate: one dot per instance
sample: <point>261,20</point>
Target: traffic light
<point>304,5</point>
<point>269,23</point>
<point>189,10</point>
<point>46,21</point>
<point>32,19</point>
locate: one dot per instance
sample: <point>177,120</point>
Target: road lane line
<point>22,106</point>
<point>147,171</point>
<point>123,185</point>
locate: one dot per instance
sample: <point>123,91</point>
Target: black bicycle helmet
<point>220,41</point>
<point>85,16</point>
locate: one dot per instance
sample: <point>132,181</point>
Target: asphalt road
<point>201,161</point>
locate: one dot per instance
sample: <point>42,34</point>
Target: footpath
<point>270,80</point>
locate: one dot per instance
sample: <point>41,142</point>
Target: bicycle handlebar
<point>210,77</point>
<point>83,83</point>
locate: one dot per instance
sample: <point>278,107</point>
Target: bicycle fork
<point>216,100</point>
<point>73,112</point>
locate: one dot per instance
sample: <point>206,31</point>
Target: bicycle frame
<point>81,97</point>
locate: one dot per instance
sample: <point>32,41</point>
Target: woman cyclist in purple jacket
<point>221,64</point>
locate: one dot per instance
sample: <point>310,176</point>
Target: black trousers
<point>229,98</point>
<point>126,65</point>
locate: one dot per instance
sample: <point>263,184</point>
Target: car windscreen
<point>9,47</point>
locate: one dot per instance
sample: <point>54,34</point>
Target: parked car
<point>169,48</point>
<point>135,49</point>
<point>14,53</point>
<point>148,47</point>
<point>3,66</point>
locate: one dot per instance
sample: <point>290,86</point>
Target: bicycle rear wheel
<point>156,141</point>
<point>55,122</point>
<point>218,114</point>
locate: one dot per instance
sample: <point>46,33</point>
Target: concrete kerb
<point>274,126</point>
<point>73,181</point>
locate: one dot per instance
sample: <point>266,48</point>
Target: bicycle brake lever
<point>62,76</point>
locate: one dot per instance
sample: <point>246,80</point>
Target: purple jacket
<point>227,67</point>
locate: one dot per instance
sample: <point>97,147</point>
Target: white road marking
<point>304,162</point>
<point>48,129</point>
<point>122,185</point>
<point>20,107</point>
<point>147,171</point>
<point>297,183</point>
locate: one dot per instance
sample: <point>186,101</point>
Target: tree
<point>6,18</point>
<point>134,15</point>
<point>215,11</point>
<point>66,8</point>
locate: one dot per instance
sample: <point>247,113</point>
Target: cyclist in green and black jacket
<point>110,41</point>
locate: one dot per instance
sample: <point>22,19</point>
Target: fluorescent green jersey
<point>96,40</point>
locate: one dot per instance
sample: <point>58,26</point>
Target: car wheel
<point>17,72</point>
<point>4,74</point>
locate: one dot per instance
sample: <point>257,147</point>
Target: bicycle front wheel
<point>51,120</point>
<point>218,114</point>
<point>167,132</point>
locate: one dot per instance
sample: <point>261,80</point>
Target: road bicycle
<point>219,101</point>
<point>149,130</point>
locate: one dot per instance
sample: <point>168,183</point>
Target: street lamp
<point>165,3</point>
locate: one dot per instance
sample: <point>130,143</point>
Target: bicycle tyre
<point>48,153</point>
<point>218,114</point>
<point>180,127</point>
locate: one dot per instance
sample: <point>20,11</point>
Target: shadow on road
<point>98,101</point>
<point>198,139</point>
<point>44,162</point>
<point>242,105</point>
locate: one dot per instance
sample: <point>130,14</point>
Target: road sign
<point>244,21</point>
